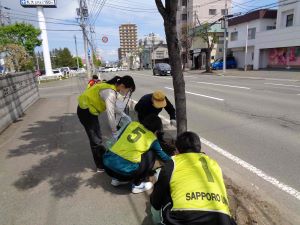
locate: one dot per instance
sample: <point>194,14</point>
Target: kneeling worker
<point>190,188</point>
<point>153,104</point>
<point>133,156</point>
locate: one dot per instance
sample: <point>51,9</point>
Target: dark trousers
<point>141,174</point>
<point>93,131</point>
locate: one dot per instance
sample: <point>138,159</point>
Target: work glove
<point>173,123</point>
<point>115,135</point>
<point>126,116</point>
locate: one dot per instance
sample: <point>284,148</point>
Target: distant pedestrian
<point>94,101</point>
<point>154,103</point>
<point>133,156</point>
<point>190,188</point>
<point>93,81</point>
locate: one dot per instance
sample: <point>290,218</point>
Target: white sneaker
<point>144,186</point>
<point>114,182</point>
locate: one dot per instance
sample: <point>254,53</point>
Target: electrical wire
<point>31,20</point>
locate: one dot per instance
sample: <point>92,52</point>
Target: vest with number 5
<point>197,184</point>
<point>134,142</point>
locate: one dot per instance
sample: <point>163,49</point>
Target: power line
<point>33,14</point>
<point>24,19</point>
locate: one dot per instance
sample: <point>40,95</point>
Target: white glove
<point>115,135</point>
<point>126,116</point>
<point>173,123</point>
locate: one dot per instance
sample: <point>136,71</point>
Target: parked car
<point>57,72</point>
<point>230,63</point>
<point>110,69</point>
<point>81,70</point>
<point>65,70</point>
<point>162,69</point>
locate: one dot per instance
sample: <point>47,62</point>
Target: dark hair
<point>152,122</point>
<point>95,77</point>
<point>126,80</point>
<point>188,142</point>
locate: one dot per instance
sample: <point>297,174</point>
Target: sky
<point>140,12</point>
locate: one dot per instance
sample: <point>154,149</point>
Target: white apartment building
<point>193,13</point>
<point>273,38</point>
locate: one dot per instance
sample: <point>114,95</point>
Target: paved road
<point>47,173</point>
<point>256,120</point>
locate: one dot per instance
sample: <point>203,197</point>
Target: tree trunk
<point>178,80</point>
<point>208,56</point>
<point>169,15</point>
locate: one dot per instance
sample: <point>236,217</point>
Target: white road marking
<point>205,96</point>
<point>261,78</point>
<point>147,75</point>
<point>285,85</point>
<point>224,85</point>
<point>291,191</point>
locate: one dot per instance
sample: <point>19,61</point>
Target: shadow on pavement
<point>63,145</point>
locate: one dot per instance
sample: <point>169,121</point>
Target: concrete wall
<point>17,92</point>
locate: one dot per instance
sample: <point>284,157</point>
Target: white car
<point>57,72</point>
<point>110,69</point>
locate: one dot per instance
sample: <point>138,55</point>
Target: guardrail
<point>18,92</point>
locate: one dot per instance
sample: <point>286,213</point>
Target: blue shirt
<point>122,166</point>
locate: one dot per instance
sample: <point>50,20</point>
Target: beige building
<point>128,40</point>
<point>194,13</point>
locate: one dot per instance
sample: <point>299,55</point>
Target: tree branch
<point>161,8</point>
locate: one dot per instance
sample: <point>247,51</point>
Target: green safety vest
<point>134,142</point>
<point>197,184</point>
<point>90,98</point>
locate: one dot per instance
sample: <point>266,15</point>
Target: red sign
<point>104,39</point>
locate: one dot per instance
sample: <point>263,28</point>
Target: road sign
<point>104,39</point>
<point>35,3</point>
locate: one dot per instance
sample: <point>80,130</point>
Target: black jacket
<point>145,107</point>
<point>161,200</point>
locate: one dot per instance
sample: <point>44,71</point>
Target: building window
<point>234,36</point>
<point>212,11</point>
<point>251,33</point>
<point>220,49</point>
<point>271,27</point>
<point>184,3</point>
<point>223,11</point>
<point>184,17</point>
<point>221,42</point>
<point>289,20</point>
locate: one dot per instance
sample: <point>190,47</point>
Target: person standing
<point>190,187</point>
<point>94,101</point>
<point>93,81</point>
<point>154,103</point>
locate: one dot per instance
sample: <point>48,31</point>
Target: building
<point>128,40</point>
<point>192,13</point>
<point>273,39</point>
<point>244,29</point>
<point>199,48</point>
<point>152,49</point>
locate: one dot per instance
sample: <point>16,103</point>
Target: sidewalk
<point>270,74</point>
<point>47,171</point>
<point>47,174</point>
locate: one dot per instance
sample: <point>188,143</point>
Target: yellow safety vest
<point>134,142</point>
<point>197,184</point>
<point>90,98</point>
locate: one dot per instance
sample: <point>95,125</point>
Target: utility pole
<point>82,12</point>
<point>225,37</point>
<point>76,51</point>
<point>246,48</point>
<point>1,15</point>
<point>153,57</point>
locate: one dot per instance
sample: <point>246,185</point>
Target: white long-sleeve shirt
<point>110,98</point>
